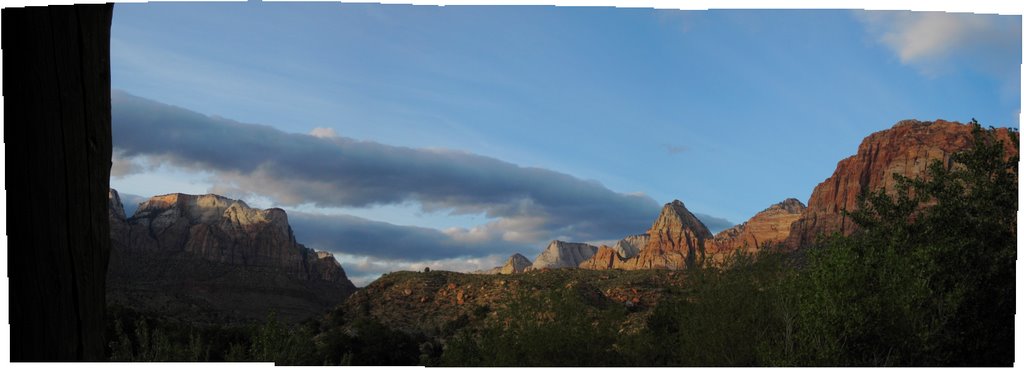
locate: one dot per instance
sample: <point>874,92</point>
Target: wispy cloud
<point>936,42</point>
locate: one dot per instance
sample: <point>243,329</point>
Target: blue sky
<point>729,111</point>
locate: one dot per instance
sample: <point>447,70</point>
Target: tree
<point>930,277</point>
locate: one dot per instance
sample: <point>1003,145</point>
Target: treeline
<point>928,280</point>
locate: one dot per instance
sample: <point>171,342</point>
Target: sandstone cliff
<point>517,263</point>
<point>560,254</point>
<point>606,258</point>
<point>631,245</point>
<point>218,256</point>
<point>906,149</point>
<point>770,226</point>
<point>676,240</point>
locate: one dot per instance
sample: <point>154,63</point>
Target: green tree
<point>929,278</point>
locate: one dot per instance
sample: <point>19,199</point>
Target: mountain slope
<point>211,258</point>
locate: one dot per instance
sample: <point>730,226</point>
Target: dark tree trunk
<point>56,85</point>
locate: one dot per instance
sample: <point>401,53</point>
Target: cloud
<point>714,224</point>
<point>935,42</point>
<point>121,166</point>
<point>527,204</point>
<point>381,240</point>
<point>320,132</point>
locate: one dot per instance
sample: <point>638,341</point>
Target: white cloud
<point>321,132</point>
<point>936,42</point>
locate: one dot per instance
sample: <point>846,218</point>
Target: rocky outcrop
<point>906,149</point>
<point>770,226</point>
<point>606,258</point>
<point>631,245</point>
<point>228,258</point>
<point>560,254</point>
<point>676,240</point>
<point>517,263</point>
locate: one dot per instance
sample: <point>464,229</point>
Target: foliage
<point>930,278</point>
<point>542,329</point>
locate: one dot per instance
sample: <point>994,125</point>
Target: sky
<point>401,137</point>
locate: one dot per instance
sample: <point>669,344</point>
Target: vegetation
<point>929,279</point>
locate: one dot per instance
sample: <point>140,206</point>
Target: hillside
<point>208,258</point>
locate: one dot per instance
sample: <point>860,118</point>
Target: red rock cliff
<point>906,149</point>
<point>770,226</point>
<point>676,240</point>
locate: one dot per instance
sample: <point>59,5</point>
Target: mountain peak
<point>675,217</point>
<point>560,254</point>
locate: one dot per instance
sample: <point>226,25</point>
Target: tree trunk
<point>56,86</point>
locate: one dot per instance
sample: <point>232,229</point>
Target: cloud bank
<point>362,237</point>
<point>526,207</point>
<point>527,204</point>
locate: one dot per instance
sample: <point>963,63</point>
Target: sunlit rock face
<point>225,253</point>
<point>631,245</point>
<point>768,227</point>
<point>560,254</point>
<point>676,240</point>
<point>517,263</point>
<point>606,258</point>
<point>906,149</point>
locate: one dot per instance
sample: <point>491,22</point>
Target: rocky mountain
<point>517,263</point>
<point>677,240</point>
<point>208,257</point>
<point>906,149</point>
<point>674,241</point>
<point>560,254</point>
<point>770,226</point>
<point>631,245</point>
<point>606,258</point>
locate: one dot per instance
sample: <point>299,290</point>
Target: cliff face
<point>606,258</point>
<point>560,254</point>
<point>230,258</point>
<point>770,226</point>
<point>631,245</point>
<point>676,240</point>
<point>906,149</point>
<point>517,263</point>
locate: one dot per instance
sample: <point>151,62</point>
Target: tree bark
<point>56,86</point>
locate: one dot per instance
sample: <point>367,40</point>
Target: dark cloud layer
<point>341,172</point>
<point>714,224</point>
<point>361,237</point>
